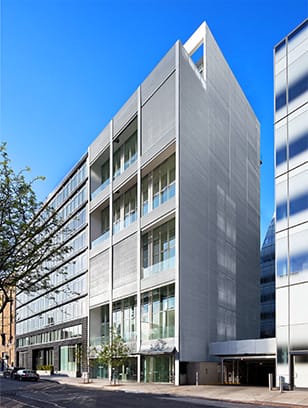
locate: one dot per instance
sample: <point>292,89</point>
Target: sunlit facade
<point>291,184</point>
<point>174,219</point>
<point>51,328</point>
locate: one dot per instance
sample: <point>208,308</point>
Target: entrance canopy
<point>246,361</point>
<point>244,348</point>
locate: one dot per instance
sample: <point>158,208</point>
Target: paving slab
<point>245,394</point>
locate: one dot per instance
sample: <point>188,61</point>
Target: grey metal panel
<point>160,212</point>
<point>159,279</point>
<point>158,75</point>
<point>244,347</point>
<point>99,299</point>
<point>125,262</point>
<point>125,233</point>
<point>123,178</point>
<point>126,113</point>
<point>100,198</point>
<point>124,291</point>
<point>158,117</point>
<point>159,145</point>
<point>99,270</point>
<point>99,144</point>
<point>100,247</point>
<point>219,262</point>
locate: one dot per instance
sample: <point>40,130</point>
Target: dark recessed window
<point>298,146</point>
<point>281,155</point>
<point>299,262</point>
<point>299,204</point>
<point>281,100</point>
<point>281,211</point>
<point>280,45</point>
<point>298,88</point>
<point>298,30</point>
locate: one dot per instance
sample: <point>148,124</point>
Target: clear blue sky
<point>67,66</point>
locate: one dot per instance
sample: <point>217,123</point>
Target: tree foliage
<point>29,234</point>
<point>114,353</point>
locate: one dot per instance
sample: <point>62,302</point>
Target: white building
<point>291,183</point>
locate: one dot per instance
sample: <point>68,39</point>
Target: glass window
<point>164,182</point>
<point>282,267</point>
<point>299,204</point>
<point>68,358</point>
<point>145,252</point>
<point>157,313</point>
<point>105,220</point>
<point>298,87</point>
<point>130,151</point>
<point>124,318</point>
<point>105,172</point>
<point>117,163</point>
<point>117,216</point>
<point>298,146</point>
<point>145,195</point>
<point>159,249</point>
<point>281,155</point>
<point>130,206</point>
<point>281,211</point>
<point>281,100</point>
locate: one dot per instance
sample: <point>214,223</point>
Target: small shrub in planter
<point>46,368</point>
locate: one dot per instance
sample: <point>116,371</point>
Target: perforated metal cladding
<point>158,75</point>
<point>99,274</point>
<point>125,262</point>
<point>219,197</point>
<point>158,116</point>
<point>99,144</point>
<point>126,113</point>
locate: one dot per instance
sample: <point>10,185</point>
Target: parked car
<point>11,371</point>
<point>24,374</point>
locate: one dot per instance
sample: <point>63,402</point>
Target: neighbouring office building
<point>51,328</point>
<point>7,332</point>
<point>267,283</point>
<point>174,254</point>
<point>291,183</point>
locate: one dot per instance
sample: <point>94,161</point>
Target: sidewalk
<point>261,395</point>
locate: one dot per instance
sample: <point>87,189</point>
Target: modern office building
<point>267,283</point>
<point>174,255</point>
<point>291,183</point>
<point>51,328</point>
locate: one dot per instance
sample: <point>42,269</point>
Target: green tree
<point>113,354</point>
<point>29,234</point>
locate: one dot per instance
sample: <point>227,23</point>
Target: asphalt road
<point>45,394</point>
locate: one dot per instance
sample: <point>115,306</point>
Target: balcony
<point>100,239</point>
<point>100,188</point>
<point>159,267</point>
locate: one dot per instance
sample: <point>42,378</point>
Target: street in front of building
<point>51,394</point>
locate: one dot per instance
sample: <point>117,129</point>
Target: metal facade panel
<point>159,74</point>
<point>219,254</point>
<point>158,118</point>
<point>99,144</point>
<point>126,113</point>
<point>125,262</point>
<point>99,272</point>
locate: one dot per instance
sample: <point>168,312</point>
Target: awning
<point>153,352</point>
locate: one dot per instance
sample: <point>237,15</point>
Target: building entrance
<point>248,371</point>
<point>157,368</point>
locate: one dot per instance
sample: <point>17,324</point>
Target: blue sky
<point>67,66</point>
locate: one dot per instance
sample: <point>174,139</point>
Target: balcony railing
<point>100,188</point>
<point>100,239</point>
<point>159,267</point>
